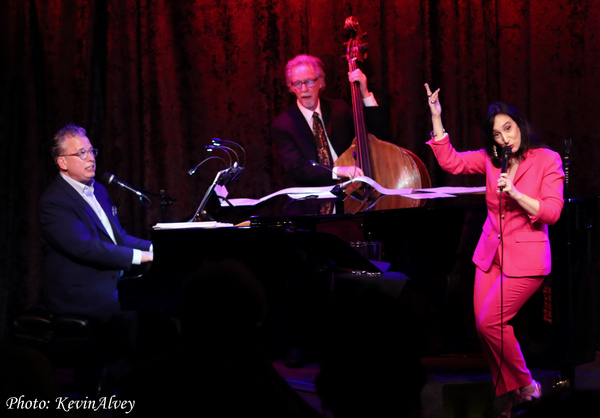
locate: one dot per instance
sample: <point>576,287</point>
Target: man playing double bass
<point>310,135</point>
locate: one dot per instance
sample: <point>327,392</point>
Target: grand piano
<point>431,245</point>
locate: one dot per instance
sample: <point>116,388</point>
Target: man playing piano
<point>85,248</point>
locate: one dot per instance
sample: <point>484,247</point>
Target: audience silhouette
<point>218,364</point>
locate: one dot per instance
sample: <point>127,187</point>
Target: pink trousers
<point>493,309</point>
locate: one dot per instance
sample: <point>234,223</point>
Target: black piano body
<point>432,245</point>
<point>270,254</point>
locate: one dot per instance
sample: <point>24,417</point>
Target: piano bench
<point>67,341</point>
<point>56,335</point>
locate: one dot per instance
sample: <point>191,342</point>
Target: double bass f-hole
<point>390,166</point>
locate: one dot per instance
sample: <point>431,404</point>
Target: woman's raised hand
<point>433,101</point>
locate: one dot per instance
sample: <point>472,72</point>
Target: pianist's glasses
<point>83,154</point>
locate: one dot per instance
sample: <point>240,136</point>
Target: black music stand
<point>221,179</point>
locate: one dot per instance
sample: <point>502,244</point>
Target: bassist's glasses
<point>308,83</point>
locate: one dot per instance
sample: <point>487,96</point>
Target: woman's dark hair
<point>528,140</point>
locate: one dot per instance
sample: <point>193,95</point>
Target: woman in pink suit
<point>513,253</point>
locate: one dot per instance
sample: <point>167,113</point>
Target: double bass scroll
<point>391,166</point>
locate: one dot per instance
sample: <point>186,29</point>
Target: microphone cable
<point>500,364</point>
<point>506,151</point>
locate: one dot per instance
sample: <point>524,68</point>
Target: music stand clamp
<point>222,178</point>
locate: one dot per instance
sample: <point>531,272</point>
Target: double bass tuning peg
<point>356,51</point>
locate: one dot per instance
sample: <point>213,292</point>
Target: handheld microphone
<point>506,151</point>
<point>111,179</point>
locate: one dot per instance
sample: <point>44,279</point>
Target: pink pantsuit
<point>521,250</point>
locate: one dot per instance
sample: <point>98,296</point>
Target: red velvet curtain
<point>154,80</point>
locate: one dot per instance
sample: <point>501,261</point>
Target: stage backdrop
<point>153,81</point>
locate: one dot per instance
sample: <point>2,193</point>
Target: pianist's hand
<point>147,256</point>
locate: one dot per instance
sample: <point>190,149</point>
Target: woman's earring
<point>496,151</point>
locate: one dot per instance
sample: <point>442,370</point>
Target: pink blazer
<point>526,245</point>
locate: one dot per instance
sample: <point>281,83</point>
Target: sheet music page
<point>454,190</point>
<point>432,195</point>
<point>323,192</point>
<point>447,191</point>
<point>301,192</point>
<point>377,186</point>
<point>311,195</point>
<point>192,225</point>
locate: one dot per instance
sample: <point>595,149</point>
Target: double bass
<point>390,166</point>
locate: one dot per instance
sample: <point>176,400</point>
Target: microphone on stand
<point>337,190</point>
<point>111,179</point>
<point>506,151</point>
<point>316,164</point>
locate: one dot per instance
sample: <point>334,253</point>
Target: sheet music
<point>192,225</point>
<point>294,192</point>
<point>377,186</point>
<point>426,195</point>
<point>454,190</point>
<point>445,191</point>
<point>323,192</point>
